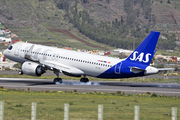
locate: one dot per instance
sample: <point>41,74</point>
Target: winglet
<point>146,50</point>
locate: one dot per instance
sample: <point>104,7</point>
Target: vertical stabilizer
<point>146,50</point>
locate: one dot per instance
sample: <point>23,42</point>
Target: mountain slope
<point>113,22</point>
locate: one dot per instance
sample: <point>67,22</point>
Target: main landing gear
<point>57,79</point>
<point>84,79</point>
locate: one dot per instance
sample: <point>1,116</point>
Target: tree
<point>85,1</point>
<point>108,1</point>
<point>176,68</point>
<point>168,2</point>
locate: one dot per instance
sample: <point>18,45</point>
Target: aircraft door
<point>53,56</point>
<point>118,68</point>
<point>16,52</point>
<point>57,57</point>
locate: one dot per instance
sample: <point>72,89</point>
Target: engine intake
<point>33,69</point>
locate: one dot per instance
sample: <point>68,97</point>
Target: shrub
<point>47,91</point>
<point>113,103</point>
<point>148,93</point>
<point>135,101</point>
<point>19,105</point>
<point>59,109</point>
<point>93,101</point>
<point>118,92</point>
<point>154,95</point>
<point>127,104</point>
<point>1,87</point>
<point>28,89</point>
<point>41,103</point>
<point>71,103</point>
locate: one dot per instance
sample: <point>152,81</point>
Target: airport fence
<point>100,113</point>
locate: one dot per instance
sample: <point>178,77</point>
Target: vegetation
<point>50,105</point>
<point>119,32</point>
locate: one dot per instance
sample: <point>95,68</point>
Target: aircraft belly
<point>93,70</point>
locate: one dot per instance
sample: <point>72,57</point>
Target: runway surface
<point>169,89</point>
<point>49,73</point>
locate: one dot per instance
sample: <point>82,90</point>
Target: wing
<point>51,65</point>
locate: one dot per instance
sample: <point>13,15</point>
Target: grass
<point>83,106</point>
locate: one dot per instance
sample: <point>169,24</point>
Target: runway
<point>98,86</point>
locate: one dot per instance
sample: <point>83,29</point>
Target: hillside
<point>92,23</point>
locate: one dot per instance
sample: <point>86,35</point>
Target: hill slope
<point>114,22</point>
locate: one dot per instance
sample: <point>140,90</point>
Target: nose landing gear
<point>20,72</point>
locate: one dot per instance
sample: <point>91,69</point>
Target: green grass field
<point>84,106</point>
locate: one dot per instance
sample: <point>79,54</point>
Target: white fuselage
<point>91,65</point>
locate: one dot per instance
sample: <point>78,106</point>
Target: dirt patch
<point>67,33</point>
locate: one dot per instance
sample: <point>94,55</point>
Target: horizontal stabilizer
<point>163,69</point>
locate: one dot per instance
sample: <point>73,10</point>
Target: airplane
<point>7,40</point>
<point>37,59</point>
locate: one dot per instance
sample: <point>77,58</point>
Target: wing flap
<point>62,67</point>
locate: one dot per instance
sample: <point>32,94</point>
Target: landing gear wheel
<point>84,80</point>
<point>20,72</point>
<point>57,80</point>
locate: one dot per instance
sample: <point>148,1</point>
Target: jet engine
<point>33,69</point>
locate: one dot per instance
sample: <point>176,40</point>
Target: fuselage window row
<point>70,59</point>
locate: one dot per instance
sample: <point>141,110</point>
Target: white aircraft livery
<point>37,59</point>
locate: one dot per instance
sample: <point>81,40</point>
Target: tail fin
<point>146,50</point>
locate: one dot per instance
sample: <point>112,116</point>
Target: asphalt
<point>169,89</point>
<point>10,72</point>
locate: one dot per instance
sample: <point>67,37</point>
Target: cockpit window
<point>10,47</point>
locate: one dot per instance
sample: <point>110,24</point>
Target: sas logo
<point>140,57</point>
